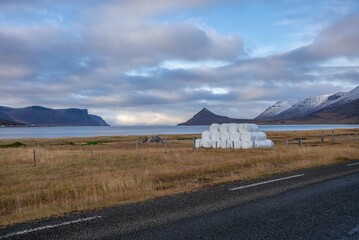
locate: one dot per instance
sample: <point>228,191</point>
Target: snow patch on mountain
<point>348,97</point>
<point>277,108</point>
<point>304,107</point>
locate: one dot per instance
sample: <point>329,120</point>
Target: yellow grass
<point>68,177</point>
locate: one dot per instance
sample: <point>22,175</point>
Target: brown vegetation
<point>75,174</point>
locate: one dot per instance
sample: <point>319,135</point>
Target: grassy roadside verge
<point>76,174</point>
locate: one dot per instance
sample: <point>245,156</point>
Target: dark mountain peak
<point>206,117</point>
<point>205,112</point>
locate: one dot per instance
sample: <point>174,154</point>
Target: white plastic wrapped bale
<point>224,127</point>
<point>206,135</point>
<point>264,144</point>
<point>253,136</point>
<point>233,127</point>
<point>198,143</point>
<point>236,144</point>
<point>247,144</point>
<point>235,136</point>
<point>206,143</point>
<point>214,127</point>
<point>241,131</point>
<point>224,144</point>
<point>225,135</point>
<point>250,127</point>
<point>216,143</point>
<point>216,136</point>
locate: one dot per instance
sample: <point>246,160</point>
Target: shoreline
<point>102,131</point>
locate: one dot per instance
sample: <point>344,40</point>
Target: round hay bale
<point>253,136</point>
<point>216,143</point>
<point>235,136</point>
<point>251,127</point>
<point>264,144</point>
<point>214,127</point>
<point>247,144</point>
<point>198,143</point>
<point>206,143</point>
<point>216,136</point>
<point>224,143</point>
<point>225,135</point>
<point>237,144</point>
<point>224,127</point>
<point>233,127</point>
<point>206,135</point>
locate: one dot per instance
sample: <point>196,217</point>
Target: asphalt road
<point>320,203</point>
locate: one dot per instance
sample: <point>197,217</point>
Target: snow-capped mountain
<point>348,97</point>
<point>277,108</point>
<point>308,106</point>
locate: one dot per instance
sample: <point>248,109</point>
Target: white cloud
<point>146,118</point>
<point>341,62</point>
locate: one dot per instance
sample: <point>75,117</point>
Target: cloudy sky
<point>160,62</point>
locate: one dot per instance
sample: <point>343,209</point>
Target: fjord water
<point>58,132</point>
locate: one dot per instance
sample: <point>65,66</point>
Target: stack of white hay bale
<point>234,135</point>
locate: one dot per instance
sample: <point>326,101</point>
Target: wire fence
<point>324,137</point>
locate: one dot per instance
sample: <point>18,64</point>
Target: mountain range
<point>42,116</point>
<point>328,107</point>
<point>340,107</point>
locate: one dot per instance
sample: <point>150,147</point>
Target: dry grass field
<point>72,175</point>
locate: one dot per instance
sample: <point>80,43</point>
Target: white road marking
<point>352,164</point>
<point>266,182</point>
<point>50,226</point>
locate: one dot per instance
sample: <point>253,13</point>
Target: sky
<point>138,62</point>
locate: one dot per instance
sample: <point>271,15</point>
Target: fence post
<point>287,142</point>
<point>91,150</point>
<point>216,145</point>
<point>322,136</point>
<point>34,156</point>
<point>165,146</point>
<point>233,144</point>
<point>194,144</point>
<point>332,136</point>
<point>254,144</point>
<point>136,147</point>
<point>299,142</point>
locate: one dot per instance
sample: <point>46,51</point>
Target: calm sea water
<point>57,132</point>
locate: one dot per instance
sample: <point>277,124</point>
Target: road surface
<point>321,203</point>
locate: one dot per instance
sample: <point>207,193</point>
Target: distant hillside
<point>10,124</point>
<point>41,116</point>
<point>206,117</point>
